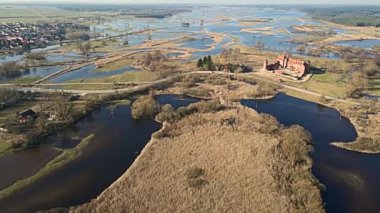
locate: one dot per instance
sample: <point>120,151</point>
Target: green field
<point>330,84</point>
<point>32,14</point>
<point>26,80</point>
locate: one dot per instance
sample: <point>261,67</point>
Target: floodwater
<point>201,42</point>
<point>18,57</point>
<point>117,142</point>
<point>366,43</point>
<point>51,56</point>
<point>273,34</point>
<point>19,165</point>
<point>33,72</point>
<point>88,72</point>
<point>351,178</point>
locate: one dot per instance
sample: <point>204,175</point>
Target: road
<point>140,86</point>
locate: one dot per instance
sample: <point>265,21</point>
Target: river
<point>351,178</point>
<point>117,142</point>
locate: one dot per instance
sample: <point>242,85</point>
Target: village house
<point>285,65</point>
<point>26,115</point>
<point>29,36</point>
<point>3,128</point>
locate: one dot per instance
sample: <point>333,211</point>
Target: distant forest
<point>353,16</point>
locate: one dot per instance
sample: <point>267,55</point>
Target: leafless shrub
<point>195,177</point>
<point>145,106</point>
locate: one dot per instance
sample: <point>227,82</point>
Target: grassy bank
<point>368,129</point>
<point>116,65</point>
<point>364,145</point>
<point>65,157</point>
<point>4,146</point>
<point>26,80</point>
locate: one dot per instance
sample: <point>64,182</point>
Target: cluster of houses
<point>29,115</point>
<point>286,65</point>
<point>23,117</point>
<point>29,36</point>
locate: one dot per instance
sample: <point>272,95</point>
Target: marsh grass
<point>205,166</point>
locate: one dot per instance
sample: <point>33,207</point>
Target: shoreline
<point>55,163</point>
<point>344,112</point>
<point>344,145</point>
<point>361,134</point>
<point>150,148</point>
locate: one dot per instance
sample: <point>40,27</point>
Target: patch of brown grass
<point>209,166</point>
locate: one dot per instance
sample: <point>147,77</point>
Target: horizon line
<point>181,3</point>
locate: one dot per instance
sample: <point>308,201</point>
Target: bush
<point>206,106</point>
<point>189,81</point>
<point>216,80</point>
<point>291,169</point>
<point>164,71</point>
<point>199,92</point>
<point>168,114</point>
<point>183,111</point>
<point>371,70</point>
<point>322,99</point>
<point>377,62</point>
<point>10,69</point>
<point>78,36</point>
<point>145,106</point>
<point>250,81</point>
<point>36,56</point>
<point>263,90</point>
<point>195,177</point>
<point>293,145</point>
<point>269,124</point>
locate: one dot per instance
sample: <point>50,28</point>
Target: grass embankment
<point>117,103</point>
<point>4,146</point>
<point>128,77</point>
<point>26,80</point>
<point>201,163</point>
<point>62,159</point>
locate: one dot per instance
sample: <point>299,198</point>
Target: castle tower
<point>286,61</point>
<point>265,65</point>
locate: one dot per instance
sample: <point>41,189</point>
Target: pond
<point>88,72</point>
<point>117,142</point>
<point>17,57</point>
<point>33,72</point>
<point>351,178</point>
<point>366,44</point>
<point>199,43</point>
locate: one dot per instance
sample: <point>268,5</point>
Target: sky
<point>355,2</point>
